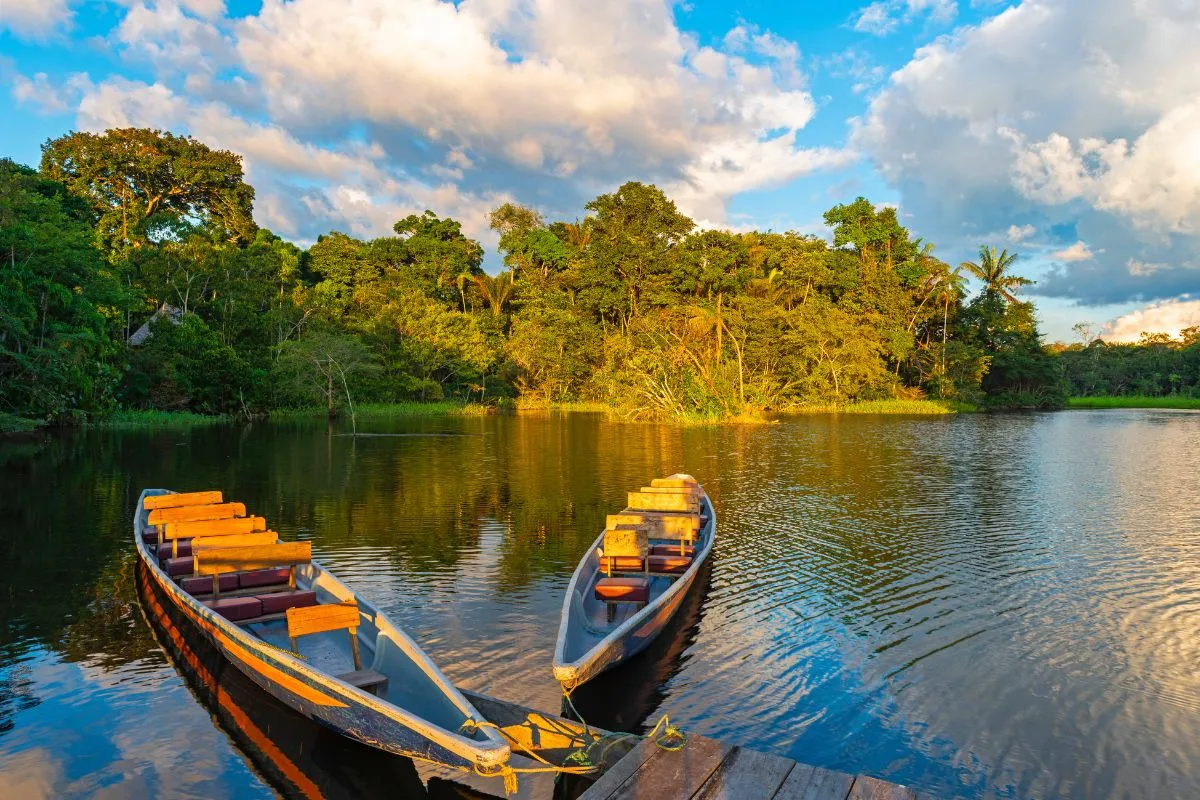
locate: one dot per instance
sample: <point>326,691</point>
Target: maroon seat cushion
<point>628,590</point>
<point>279,602</point>
<point>178,566</point>
<point>670,564</point>
<point>236,608</point>
<point>150,535</point>
<point>264,577</point>
<point>621,564</point>
<point>185,549</point>
<point>672,550</point>
<point>202,584</point>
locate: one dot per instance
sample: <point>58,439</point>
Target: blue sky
<point>1068,131</point>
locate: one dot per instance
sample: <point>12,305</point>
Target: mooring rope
<point>580,761</point>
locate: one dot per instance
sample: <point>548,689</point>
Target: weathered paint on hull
<point>275,739</point>
<point>321,703</point>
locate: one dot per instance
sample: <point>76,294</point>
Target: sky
<point>1066,130</point>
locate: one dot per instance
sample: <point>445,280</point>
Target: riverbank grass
<point>158,419</point>
<point>11,423</point>
<point>1134,401</point>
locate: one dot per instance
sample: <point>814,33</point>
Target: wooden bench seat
<point>366,679</point>
<point>178,499</point>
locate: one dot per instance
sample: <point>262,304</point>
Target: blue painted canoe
<point>417,713</point>
<point>592,637</point>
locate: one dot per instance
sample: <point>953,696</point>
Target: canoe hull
<point>342,708</point>
<point>633,636</point>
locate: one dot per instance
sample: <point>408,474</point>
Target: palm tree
<point>950,288</point>
<point>497,291</point>
<point>992,269</point>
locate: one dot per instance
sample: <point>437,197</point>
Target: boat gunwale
<point>467,749</point>
<point>682,584</point>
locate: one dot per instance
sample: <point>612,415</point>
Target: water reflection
<point>981,606</point>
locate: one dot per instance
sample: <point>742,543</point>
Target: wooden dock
<point>705,769</point>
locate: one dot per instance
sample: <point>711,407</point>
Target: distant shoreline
<point>1134,401</point>
<point>141,419</point>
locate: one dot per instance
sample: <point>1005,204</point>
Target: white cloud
<point>49,98</point>
<point>34,19</point>
<point>553,100</point>
<point>973,134</point>
<point>1169,317</point>
<point>1076,252</point>
<point>1017,234</point>
<point>885,16</point>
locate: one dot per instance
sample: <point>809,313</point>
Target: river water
<point>976,606</point>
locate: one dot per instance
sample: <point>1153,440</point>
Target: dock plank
<point>822,784</point>
<point>623,770</point>
<point>867,788</point>
<point>747,775</point>
<point>793,785</point>
<point>678,773</point>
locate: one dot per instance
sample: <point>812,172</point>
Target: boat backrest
<point>211,527</point>
<point>660,526</point>
<point>219,561</point>
<point>676,480</point>
<point>625,549</point>
<point>181,499</point>
<point>627,541</point>
<point>655,501</point>
<point>197,512</point>
<point>234,540</point>
<point>322,618</point>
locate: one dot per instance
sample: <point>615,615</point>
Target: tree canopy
<point>628,305</point>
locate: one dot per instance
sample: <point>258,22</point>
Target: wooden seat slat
<point>322,618</point>
<point>196,512</point>
<point>181,499</point>
<point>212,527</point>
<point>234,540</point>
<point>221,560</point>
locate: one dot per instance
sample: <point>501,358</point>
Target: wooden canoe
<point>391,696</point>
<point>595,635</point>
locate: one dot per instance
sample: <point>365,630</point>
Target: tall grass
<point>158,419</point>
<point>10,423</point>
<point>1134,401</point>
<point>911,407</point>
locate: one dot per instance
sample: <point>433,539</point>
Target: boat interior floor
<point>329,652</point>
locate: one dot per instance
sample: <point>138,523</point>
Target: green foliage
<point>60,305</point>
<point>1156,366</point>
<point>146,185</point>
<point>185,366</point>
<point>629,307</point>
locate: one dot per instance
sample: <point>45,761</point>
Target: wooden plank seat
<point>623,590</point>
<point>334,617</point>
<point>672,549</point>
<point>237,584</point>
<point>257,563</point>
<point>668,564</point>
<point>366,679</point>
<point>155,502</point>
<point>623,546</point>
<point>654,501</point>
<point>196,513</point>
<point>187,547</point>
<point>170,531</point>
